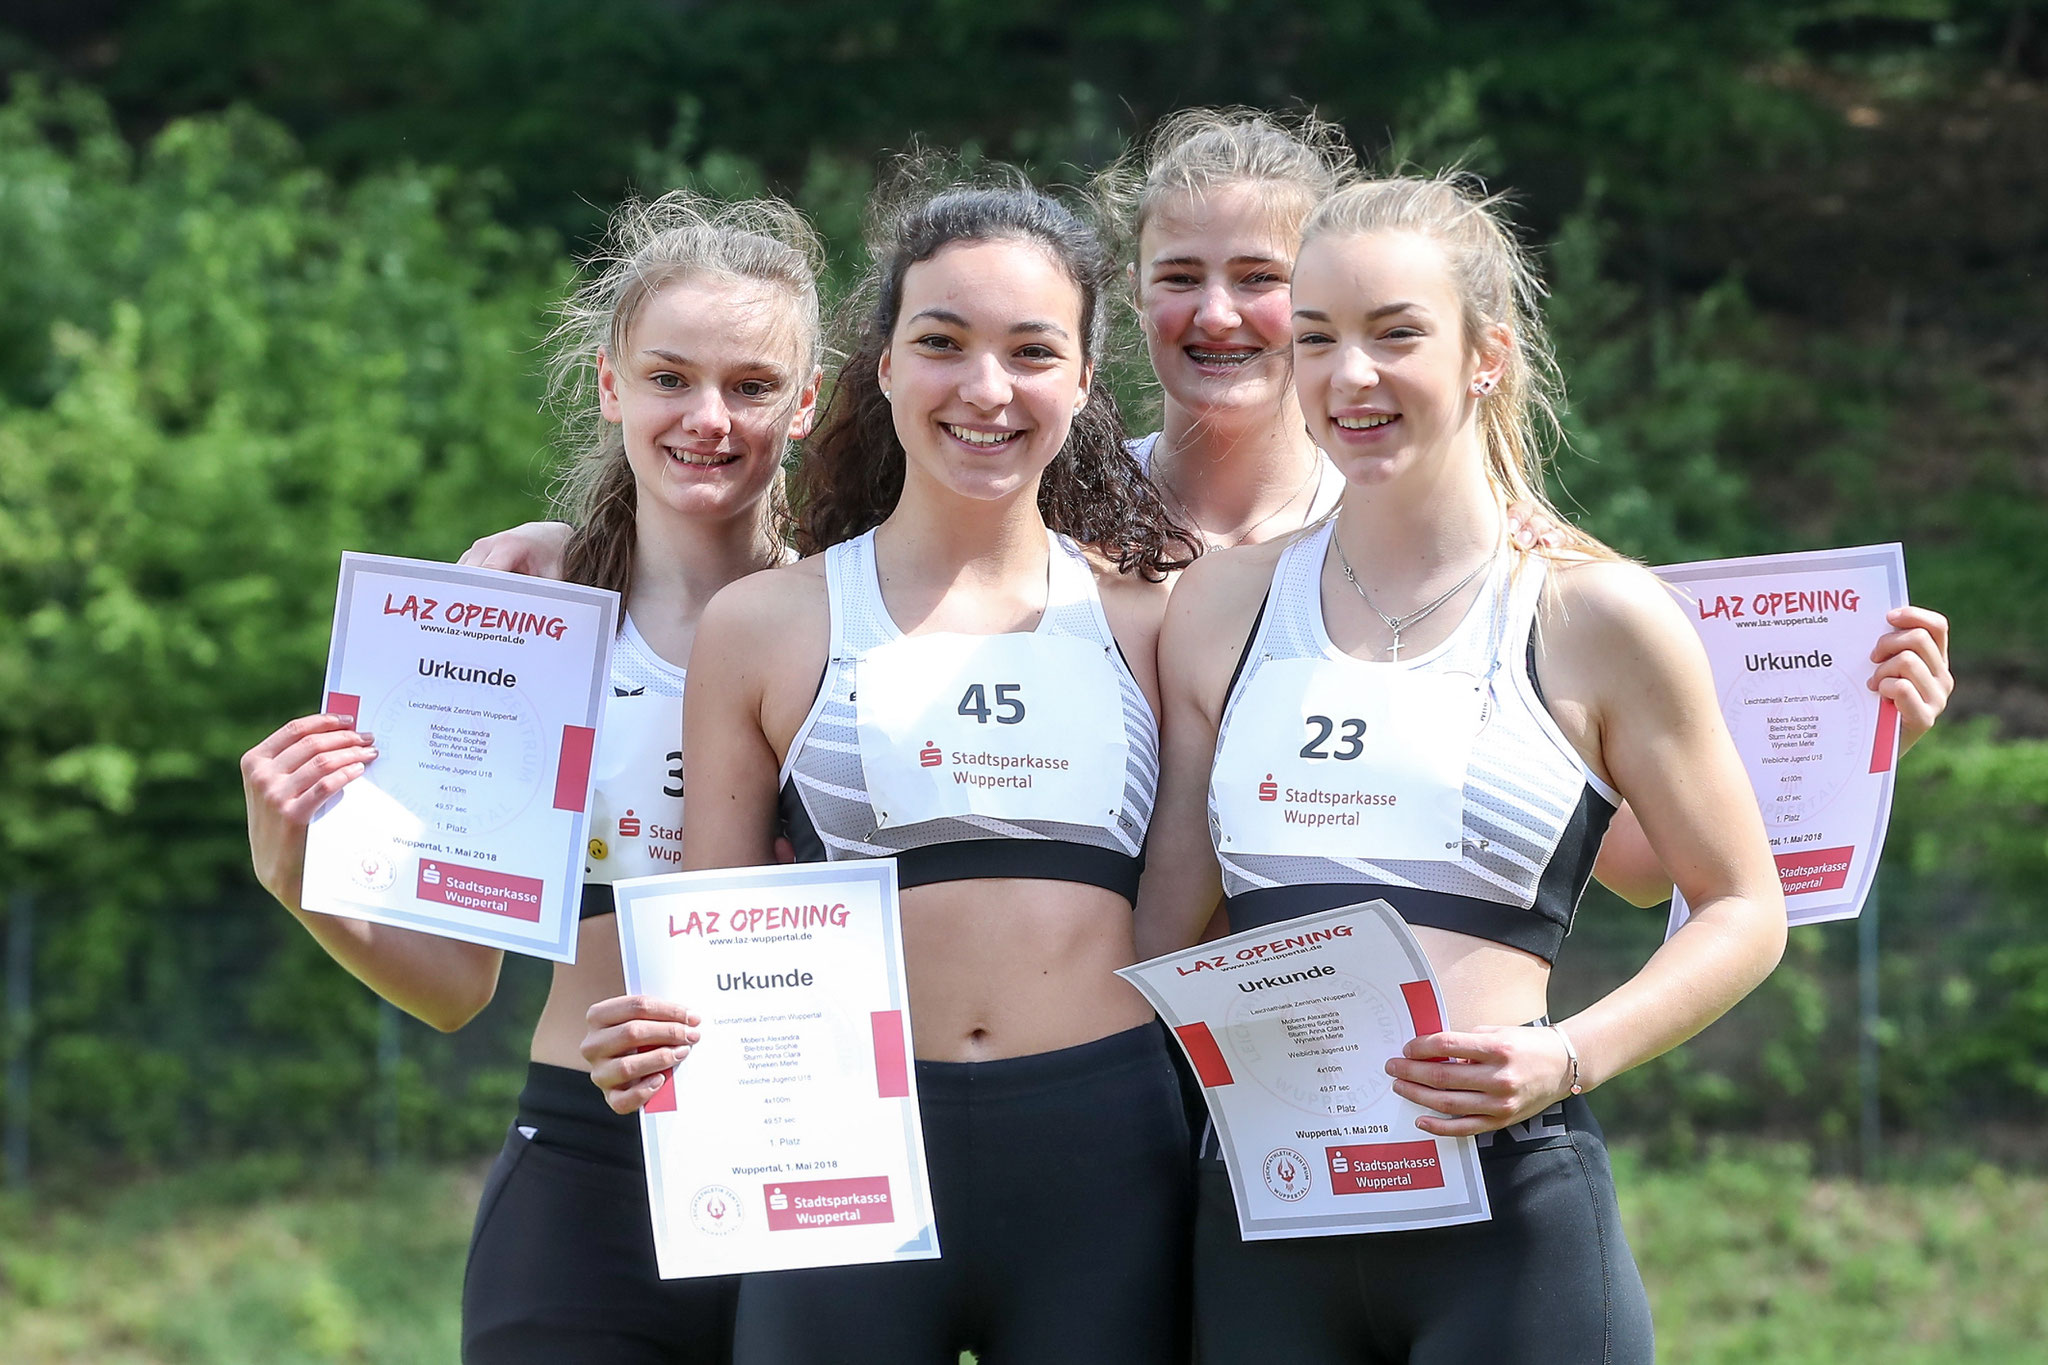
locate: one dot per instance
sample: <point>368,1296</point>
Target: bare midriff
<point>1008,967</point>
<point>999,967</point>
<point>1485,982</point>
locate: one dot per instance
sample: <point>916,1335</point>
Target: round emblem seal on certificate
<point>715,1209</point>
<point>372,870</point>
<point>1292,1038</point>
<point>1287,1174</point>
<point>1810,733</point>
<point>479,765</point>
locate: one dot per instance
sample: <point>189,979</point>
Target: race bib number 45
<point>1014,726</point>
<point>1326,759</point>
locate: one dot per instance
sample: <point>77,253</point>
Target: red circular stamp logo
<point>1287,1174</point>
<point>715,1209</point>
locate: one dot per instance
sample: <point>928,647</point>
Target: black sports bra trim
<point>597,900</point>
<point>1250,638</point>
<point>1512,925</point>
<point>1053,860</point>
<point>1540,928</point>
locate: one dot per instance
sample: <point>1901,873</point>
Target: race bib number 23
<point>1347,760</point>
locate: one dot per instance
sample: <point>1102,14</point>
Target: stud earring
<point>1482,387</point>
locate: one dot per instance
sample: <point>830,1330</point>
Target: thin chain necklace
<point>1397,624</point>
<point>1315,476</point>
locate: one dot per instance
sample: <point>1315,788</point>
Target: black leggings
<point>561,1266</point>
<point>1548,1281</point>
<point>1060,1182</point>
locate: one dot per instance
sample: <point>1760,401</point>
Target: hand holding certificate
<point>485,691</point>
<point>1289,1028</point>
<point>790,1137</point>
<point>1788,637</point>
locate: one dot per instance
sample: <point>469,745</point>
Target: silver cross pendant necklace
<point>1397,624</point>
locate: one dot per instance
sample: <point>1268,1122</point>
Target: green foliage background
<point>271,279</point>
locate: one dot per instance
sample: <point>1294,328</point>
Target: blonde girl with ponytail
<point>1564,679</point>
<point>685,364</point>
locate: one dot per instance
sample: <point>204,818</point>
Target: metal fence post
<point>1869,1129</point>
<point>389,1018</point>
<point>21,914</point>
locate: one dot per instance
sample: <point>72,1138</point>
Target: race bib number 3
<point>1326,759</point>
<point>1017,727</point>
<point>636,809</point>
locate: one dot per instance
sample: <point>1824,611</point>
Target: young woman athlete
<point>690,359</point>
<point>991,555</point>
<point>1556,682</point>
<point>1213,213</point>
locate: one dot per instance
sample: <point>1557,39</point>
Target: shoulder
<point>769,606</point>
<point>1614,643</point>
<point>1228,585</point>
<point>1606,604</point>
<point>1209,622</point>
<point>1133,605</point>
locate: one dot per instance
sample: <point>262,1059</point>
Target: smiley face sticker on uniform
<point>990,725</point>
<point>1331,758</point>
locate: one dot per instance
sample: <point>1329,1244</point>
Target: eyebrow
<point>1318,315</point>
<point>769,366</point>
<point>1255,259</point>
<point>953,319</point>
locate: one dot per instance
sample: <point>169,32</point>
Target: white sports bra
<point>1439,783</point>
<point>636,797</point>
<point>1022,754</point>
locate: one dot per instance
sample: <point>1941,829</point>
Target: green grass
<point>1748,1257</point>
<point>261,1262</point>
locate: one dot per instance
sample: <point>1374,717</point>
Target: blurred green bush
<point>217,370</point>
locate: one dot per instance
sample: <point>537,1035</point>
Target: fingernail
<point>365,737</point>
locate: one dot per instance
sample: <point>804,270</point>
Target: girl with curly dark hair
<point>990,576</point>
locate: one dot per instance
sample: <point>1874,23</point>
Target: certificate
<point>1289,1028</point>
<point>790,1136</point>
<point>1789,638</point>
<point>484,691</point>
